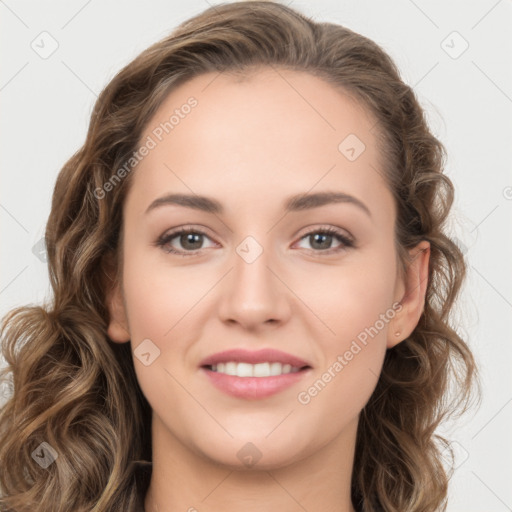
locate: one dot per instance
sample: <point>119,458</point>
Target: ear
<point>118,326</point>
<point>410,294</point>
<point>118,330</point>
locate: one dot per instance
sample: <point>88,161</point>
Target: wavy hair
<point>77,390</point>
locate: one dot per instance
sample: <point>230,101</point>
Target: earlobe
<point>413,295</point>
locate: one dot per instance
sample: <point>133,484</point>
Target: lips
<point>254,357</point>
<point>253,375</point>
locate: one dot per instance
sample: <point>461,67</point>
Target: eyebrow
<point>292,204</point>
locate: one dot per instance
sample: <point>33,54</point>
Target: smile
<point>254,370</point>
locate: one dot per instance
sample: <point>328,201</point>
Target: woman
<point>297,354</point>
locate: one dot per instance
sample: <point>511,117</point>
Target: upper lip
<point>254,357</point>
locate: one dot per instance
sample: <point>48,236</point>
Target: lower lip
<point>254,387</point>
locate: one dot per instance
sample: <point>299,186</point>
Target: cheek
<point>158,296</point>
<point>357,312</point>
<point>157,304</point>
<point>337,395</point>
<point>353,297</point>
<point>163,305</point>
<point>355,304</point>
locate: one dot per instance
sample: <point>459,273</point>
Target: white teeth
<point>243,370</point>
<point>261,370</point>
<point>254,370</point>
<point>276,368</point>
<point>229,368</point>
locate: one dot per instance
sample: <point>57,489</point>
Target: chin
<point>258,454</point>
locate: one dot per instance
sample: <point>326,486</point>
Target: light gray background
<point>46,104</point>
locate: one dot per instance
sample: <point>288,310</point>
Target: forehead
<point>272,132</point>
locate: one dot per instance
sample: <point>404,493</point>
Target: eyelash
<point>164,240</point>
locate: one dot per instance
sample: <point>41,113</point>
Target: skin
<point>251,144</point>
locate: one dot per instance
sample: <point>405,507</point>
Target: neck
<point>190,482</point>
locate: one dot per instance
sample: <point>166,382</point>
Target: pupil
<point>190,238</point>
<point>325,238</point>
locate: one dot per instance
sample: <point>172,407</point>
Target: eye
<point>190,239</point>
<point>321,240</point>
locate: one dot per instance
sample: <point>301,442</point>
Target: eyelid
<point>346,239</point>
<point>165,238</point>
<point>325,227</point>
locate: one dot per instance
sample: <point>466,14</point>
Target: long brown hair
<point>77,391</point>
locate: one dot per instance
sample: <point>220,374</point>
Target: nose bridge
<point>254,294</point>
<point>252,277</point>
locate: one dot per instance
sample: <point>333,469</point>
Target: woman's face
<point>258,272</point>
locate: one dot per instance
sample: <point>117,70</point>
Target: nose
<point>253,293</point>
